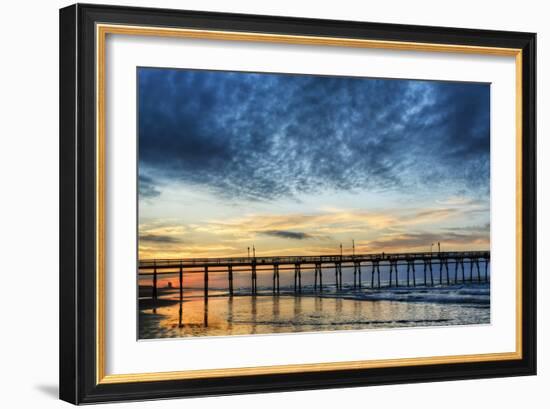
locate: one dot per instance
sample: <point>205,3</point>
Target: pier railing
<point>291,260</point>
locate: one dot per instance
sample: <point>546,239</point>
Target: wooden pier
<point>299,265</point>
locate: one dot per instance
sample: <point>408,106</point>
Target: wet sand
<point>268,314</point>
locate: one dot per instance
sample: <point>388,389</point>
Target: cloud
<point>331,224</point>
<point>266,136</point>
<point>161,239</point>
<point>388,230</point>
<point>421,241</point>
<point>458,201</point>
<point>147,187</point>
<point>284,234</point>
<point>480,228</point>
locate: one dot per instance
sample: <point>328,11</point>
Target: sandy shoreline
<point>265,313</point>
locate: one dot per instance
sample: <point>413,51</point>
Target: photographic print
<point>284,203</point>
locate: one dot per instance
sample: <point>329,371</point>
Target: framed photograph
<point>257,203</point>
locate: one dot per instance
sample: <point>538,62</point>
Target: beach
<point>347,309</point>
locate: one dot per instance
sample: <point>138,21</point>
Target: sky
<point>299,164</point>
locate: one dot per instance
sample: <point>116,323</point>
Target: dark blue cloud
<point>147,187</point>
<point>159,238</point>
<point>286,234</point>
<point>264,136</point>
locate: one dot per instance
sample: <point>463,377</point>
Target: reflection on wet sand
<point>222,315</point>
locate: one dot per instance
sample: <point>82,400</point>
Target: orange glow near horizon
<point>391,231</point>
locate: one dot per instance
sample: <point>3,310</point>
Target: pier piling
<point>396,274</point>
<point>316,273</point>
<point>320,278</point>
<point>155,273</point>
<point>338,275</point>
<point>456,271</point>
<point>254,277</point>
<point>296,277</point>
<point>299,280</point>
<point>206,284</point>
<point>274,268</point>
<point>230,278</point>
<point>425,267</point>
<point>278,281</point>
<point>275,279</point>
<point>181,283</point>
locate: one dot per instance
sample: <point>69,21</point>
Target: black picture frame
<point>78,258</point>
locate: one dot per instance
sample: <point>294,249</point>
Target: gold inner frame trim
<point>101,33</point>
